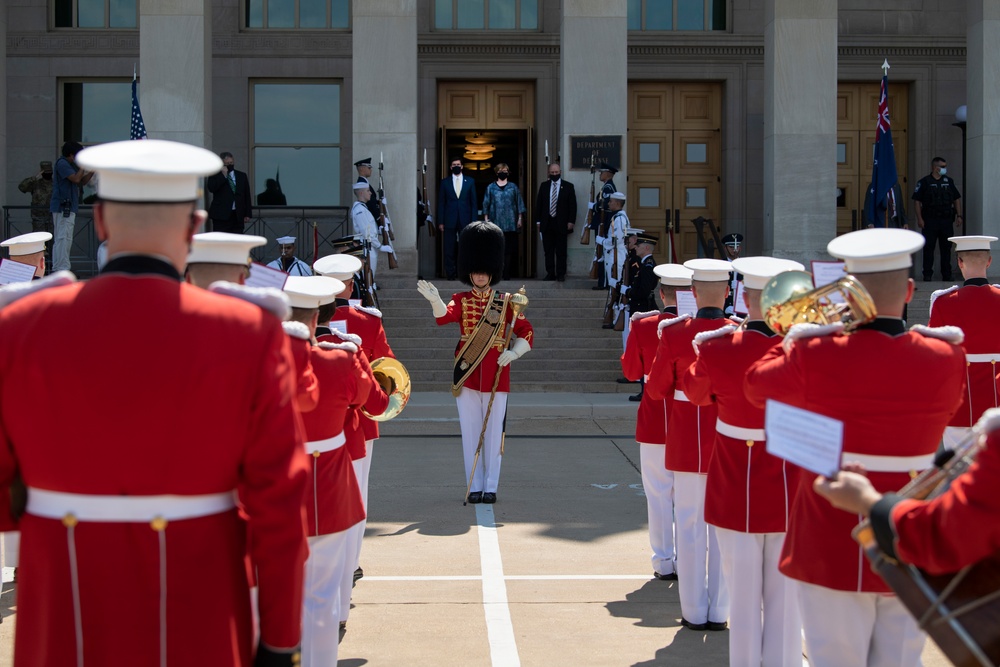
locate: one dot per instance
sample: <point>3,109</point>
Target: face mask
<point>230,167</point>
<point>944,170</point>
<point>503,175</point>
<point>554,177</point>
<point>456,170</point>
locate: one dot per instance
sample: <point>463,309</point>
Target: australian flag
<point>138,130</point>
<point>881,196</point>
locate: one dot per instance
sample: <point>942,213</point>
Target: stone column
<point>175,70</point>
<point>800,127</point>
<point>983,143</point>
<point>384,90</point>
<point>593,70</point>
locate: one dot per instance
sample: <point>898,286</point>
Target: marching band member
<point>366,323</point>
<point>218,256</point>
<point>943,535</point>
<point>651,420</point>
<point>107,525</point>
<point>29,249</point>
<point>747,491</point>
<point>858,378</point>
<point>483,316</point>
<point>975,309</point>
<point>690,437</point>
<point>332,501</point>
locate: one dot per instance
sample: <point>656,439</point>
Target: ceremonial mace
<point>518,302</point>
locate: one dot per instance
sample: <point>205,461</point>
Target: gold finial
<point>519,301</point>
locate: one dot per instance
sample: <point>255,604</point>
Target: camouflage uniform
<point>41,195</point>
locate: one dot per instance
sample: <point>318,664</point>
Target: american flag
<point>882,199</point>
<point>138,130</point>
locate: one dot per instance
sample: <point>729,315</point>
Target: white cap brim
<point>965,243</point>
<point>876,250</point>
<point>707,270</point>
<point>341,267</point>
<point>223,248</point>
<point>27,244</point>
<point>758,271</point>
<point>673,275</point>
<point>311,291</point>
<point>149,171</point>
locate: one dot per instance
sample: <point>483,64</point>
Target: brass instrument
<point>391,372</point>
<point>790,298</point>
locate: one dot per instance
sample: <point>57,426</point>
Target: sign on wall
<point>606,148</point>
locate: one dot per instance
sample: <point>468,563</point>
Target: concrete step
<point>542,363</point>
<point>568,378</point>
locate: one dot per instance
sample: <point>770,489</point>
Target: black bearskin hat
<point>480,250</point>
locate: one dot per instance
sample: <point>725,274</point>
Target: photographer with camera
<point>67,181</point>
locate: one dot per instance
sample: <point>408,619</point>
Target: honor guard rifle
<point>585,236</point>
<point>383,219</point>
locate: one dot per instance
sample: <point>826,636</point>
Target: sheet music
<point>15,272</point>
<point>686,303</point>
<point>263,276</point>
<point>807,439</point>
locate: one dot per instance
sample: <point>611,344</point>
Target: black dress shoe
<point>549,277</point>
<point>476,497</point>
<point>598,288</point>
<point>607,326</point>
<point>489,498</point>
<point>626,381</point>
<point>561,279</point>
<point>666,577</point>
<point>635,398</point>
<point>698,627</point>
<point>358,574</point>
<point>717,626</point>
<point>927,278</point>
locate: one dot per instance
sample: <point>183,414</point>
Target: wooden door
<point>857,115</point>
<point>675,161</point>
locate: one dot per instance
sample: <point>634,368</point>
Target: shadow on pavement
<point>692,649</point>
<point>655,605</point>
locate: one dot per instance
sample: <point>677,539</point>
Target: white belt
<point>982,358</point>
<point>126,509</point>
<point>874,463</point>
<point>738,432</point>
<point>645,378</point>
<point>318,447</point>
<point>680,396</point>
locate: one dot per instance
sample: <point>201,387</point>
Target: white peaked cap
<point>709,270</point>
<point>617,195</point>
<point>341,266</point>
<point>150,170</point>
<point>360,185</point>
<point>223,248</point>
<point>311,291</point>
<point>963,243</point>
<point>758,271</point>
<point>27,244</point>
<point>876,250</point>
<point>286,240</point>
<point>673,275</point>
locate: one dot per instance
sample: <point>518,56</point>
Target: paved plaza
<point>556,573</point>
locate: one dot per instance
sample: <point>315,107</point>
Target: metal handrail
<point>316,227</point>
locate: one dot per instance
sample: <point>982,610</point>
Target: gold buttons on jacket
<point>749,443</point>
<point>70,520</point>
<point>159,524</point>
<point>316,454</point>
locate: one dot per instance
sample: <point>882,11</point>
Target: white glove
<point>429,292</point>
<point>386,248</point>
<point>590,206</point>
<point>518,348</point>
<point>388,222</point>
<point>600,240</point>
<point>430,218</point>
<point>384,203</point>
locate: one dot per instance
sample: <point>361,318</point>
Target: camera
<point>66,208</point>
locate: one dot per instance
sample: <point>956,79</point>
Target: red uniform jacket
<point>895,393</point>
<point>692,428</point>
<point>170,411</point>
<point>307,387</point>
<point>333,499</point>
<point>959,527</point>
<point>637,362</point>
<point>748,490</point>
<point>466,309</point>
<point>366,323</point>
<point>975,309</point>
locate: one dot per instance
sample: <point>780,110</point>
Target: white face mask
<point>944,170</point>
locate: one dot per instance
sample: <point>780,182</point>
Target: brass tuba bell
<point>391,372</point>
<point>790,298</point>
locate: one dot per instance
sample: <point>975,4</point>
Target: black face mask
<point>554,177</point>
<point>456,170</point>
<point>231,167</point>
<point>503,175</point>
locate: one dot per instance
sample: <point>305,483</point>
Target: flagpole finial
<point>885,67</point>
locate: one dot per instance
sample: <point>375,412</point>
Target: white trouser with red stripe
<point>869,629</point>
<point>471,414</point>
<point>658,485</point>
<point>362,470</point>
<point>750,564</point>
<point>321,602</point>
<point>699,569</point>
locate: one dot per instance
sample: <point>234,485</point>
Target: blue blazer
<point>455,212</point>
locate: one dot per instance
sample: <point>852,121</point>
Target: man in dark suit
<point>555,211</point>
<point>231,197</point>
<point>457,206</point>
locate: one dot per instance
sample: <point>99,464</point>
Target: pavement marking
<point>515,577</point>
<point>503,647</point>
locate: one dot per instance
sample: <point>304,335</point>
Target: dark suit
<point>224,217</point>
<point>454,212</point>
<point>554,229</point>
